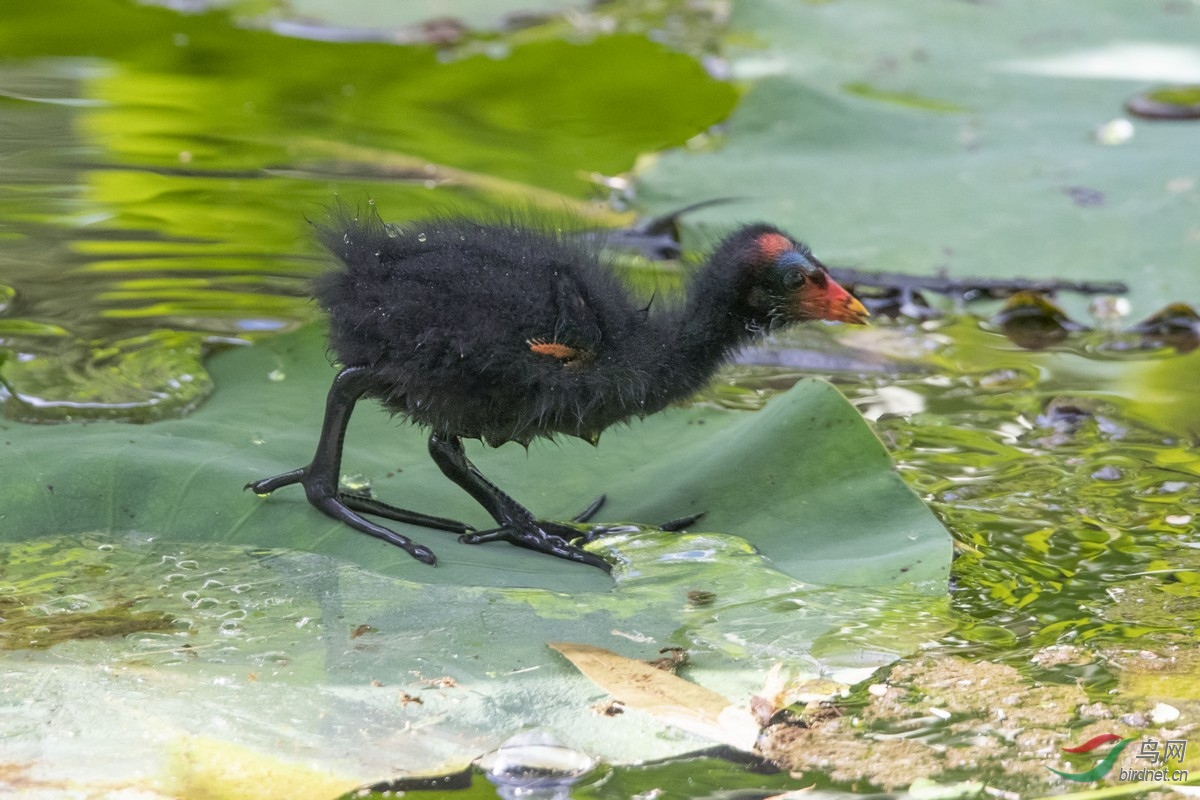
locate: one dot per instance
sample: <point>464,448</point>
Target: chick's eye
<point>793,279</point>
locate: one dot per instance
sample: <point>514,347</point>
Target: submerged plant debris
<point>29,623</point>
<point>955,719</point>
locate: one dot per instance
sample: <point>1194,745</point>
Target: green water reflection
<point>1071,494</point>
<point>1070,479</point>
<point>159,168</point>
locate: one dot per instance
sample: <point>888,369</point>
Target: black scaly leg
<point>517,524</point>
<point>320,478</point>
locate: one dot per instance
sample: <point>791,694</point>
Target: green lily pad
<point>805,481</point>
<point>273,628</point>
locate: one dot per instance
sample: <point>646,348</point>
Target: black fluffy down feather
<point>443,313</point>
<point>506,330</point>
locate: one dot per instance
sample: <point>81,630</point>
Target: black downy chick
<point>509,331</point>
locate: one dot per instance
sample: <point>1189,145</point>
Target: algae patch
<point>27,624</point>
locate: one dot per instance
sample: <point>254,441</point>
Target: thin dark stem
<point>990,287</point>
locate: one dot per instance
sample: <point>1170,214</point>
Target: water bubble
<point>1114,132</point>
<point>257,439</point>
<point>1109,309</point>
<point>535,765</point>
<point>356,483</point>
<point>70,603</point>
<point>276,375</point>
<point>421,237</point>
<point>273,657</point>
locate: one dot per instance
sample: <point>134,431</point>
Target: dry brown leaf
<point>678,702</point>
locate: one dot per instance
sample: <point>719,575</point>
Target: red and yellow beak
<point>828,300</point>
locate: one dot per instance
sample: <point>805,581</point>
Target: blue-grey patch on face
<point>793,258</point>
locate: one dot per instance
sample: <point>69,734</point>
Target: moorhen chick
<point>508,330</point>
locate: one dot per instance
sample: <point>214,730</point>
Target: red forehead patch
<point>773,245</point>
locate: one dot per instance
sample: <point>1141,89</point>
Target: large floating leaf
<point>966,137</point>
<point>805,481</point>
<point>146,528</point>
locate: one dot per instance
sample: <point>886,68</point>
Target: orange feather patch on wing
<point>555,350</point>
<point>773,245</point>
